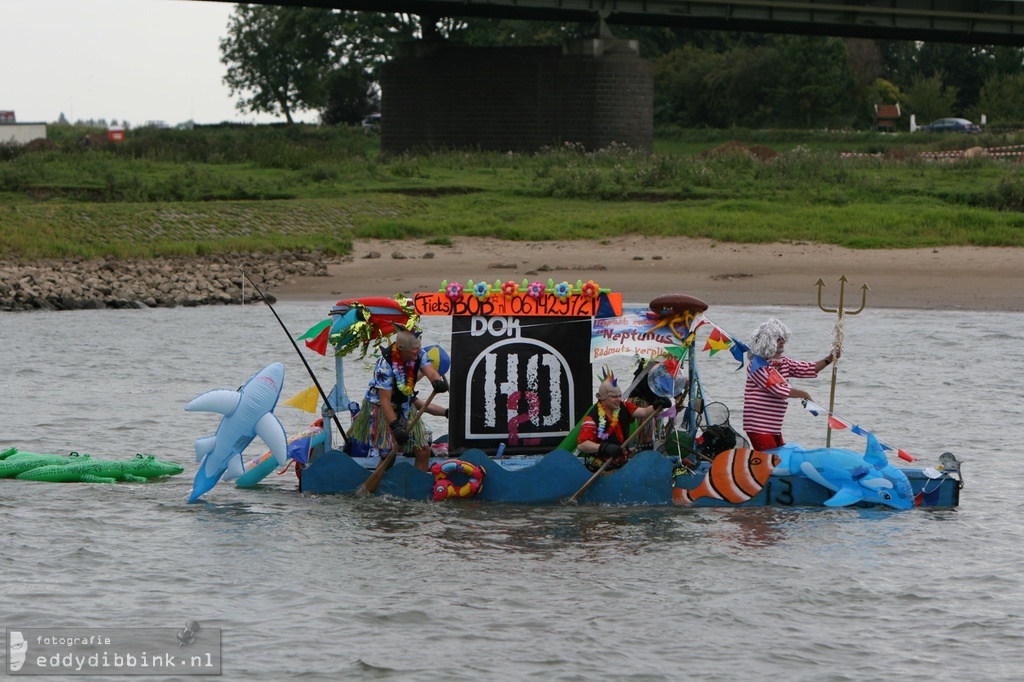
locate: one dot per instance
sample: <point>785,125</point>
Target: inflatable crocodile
<point>139,470</point>
<point>15,463</point>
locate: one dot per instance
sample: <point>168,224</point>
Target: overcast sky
<point>129,60</point>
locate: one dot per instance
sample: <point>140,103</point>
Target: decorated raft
<point>521,379</point>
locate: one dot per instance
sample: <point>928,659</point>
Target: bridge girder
<point>980,22</point>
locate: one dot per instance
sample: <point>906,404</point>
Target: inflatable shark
<point>851,476</point>
<point>248,412</point>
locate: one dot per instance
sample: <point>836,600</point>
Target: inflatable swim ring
<point>444,488</point>
<point>677,304</point>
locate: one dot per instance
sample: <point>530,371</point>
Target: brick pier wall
<point>515,99</point>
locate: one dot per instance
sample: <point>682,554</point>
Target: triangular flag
<point>738,350</point>
<point>315,330</point>
<point>319,344</point>
<point>837,423</point>
<point>678,352</point>
<point>718,340</point>
<point>858,430</point>
<point>304,400</point>
<point>756,363</point>
<point>298,449</point>
<point>905,455</point>
<point>774,378</point>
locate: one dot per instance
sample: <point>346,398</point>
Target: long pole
<point>369,486</point>
<point>309,370</point>
<point>579,493</point>
<point>838,334</point>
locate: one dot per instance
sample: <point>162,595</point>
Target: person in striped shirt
<point>767,391</point>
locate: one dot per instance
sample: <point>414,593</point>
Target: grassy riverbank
<point>219,190</point>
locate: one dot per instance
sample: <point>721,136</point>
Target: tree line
<point>282,60</point>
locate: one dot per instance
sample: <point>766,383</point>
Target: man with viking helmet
<point>390,400</point>
<point>607,424</point>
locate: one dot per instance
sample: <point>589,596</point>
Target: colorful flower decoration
<point>482,290</point>
<point>563,291</point>
<point>453,291</point>
<point>509,289</point>
<point>590,290</point>
<point>535,290</point>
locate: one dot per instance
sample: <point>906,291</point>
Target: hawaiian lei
<point>604,424</point>
<point>405,375</point>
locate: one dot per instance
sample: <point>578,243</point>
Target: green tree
<point>929,98</point>
<point>351,96</point>
<point>681,93</point>
<point>740,87</point>
<point>278,57</point>
<point>1002,99</point>
<point>964,69</point>
<point>815,83</point>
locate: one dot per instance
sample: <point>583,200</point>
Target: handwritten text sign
<point>520,305</point>
<point>631,333</point>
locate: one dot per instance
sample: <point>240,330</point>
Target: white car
<point>371,124</point>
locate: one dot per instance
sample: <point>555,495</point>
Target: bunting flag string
<point>840,424</point>
<point>720,339</point>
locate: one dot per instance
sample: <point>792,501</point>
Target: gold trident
<point>837,341</point>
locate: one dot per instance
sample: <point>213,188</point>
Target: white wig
<point>765,339</point>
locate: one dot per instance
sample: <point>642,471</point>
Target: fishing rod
<point>309,369</point>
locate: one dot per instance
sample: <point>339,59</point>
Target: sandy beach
<point>641,268</point>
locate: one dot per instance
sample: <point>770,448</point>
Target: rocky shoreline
<point>149,282</point>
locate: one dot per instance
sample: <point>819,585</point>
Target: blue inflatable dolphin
<point>851,476</point>
<point>248,412</point>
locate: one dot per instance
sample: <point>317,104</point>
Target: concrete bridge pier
<point>592,92</point>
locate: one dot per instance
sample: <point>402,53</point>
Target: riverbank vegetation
<point>263,189</point>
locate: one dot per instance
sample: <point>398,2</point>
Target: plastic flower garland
<point>535,290</point>
<point>482,290</point>
<point>563,291</point>
<point>453,291</point>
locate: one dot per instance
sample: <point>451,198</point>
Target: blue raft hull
<point>647,479</point>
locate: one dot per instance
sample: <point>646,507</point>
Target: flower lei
<point>405,375</point>
<point>604,425</point>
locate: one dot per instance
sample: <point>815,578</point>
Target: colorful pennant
<point>316,337</point>
<point>304,400</point>
<point>838,423</point>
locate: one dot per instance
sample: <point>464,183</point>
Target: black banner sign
<point>521,381</point>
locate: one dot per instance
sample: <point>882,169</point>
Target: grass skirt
<point>366,430</point>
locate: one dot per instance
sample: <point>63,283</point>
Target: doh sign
<point>521,381</point>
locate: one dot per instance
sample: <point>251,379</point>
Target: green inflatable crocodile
<point>139,469</point>
<point>14,463</point>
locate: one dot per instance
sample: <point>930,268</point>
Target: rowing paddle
<point>665,381</point>
<point>369,486</point>
<point>608,461</point>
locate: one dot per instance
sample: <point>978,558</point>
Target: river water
<point>334,587</point>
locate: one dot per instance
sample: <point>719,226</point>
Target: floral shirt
<point>387,376</point>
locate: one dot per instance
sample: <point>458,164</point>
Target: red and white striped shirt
<point>765,396</point>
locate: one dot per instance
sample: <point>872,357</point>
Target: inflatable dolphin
<point>851,476</point>
<point>248,412</point>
